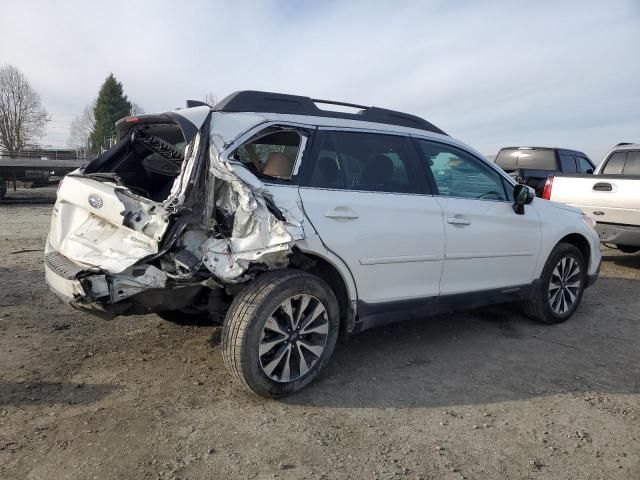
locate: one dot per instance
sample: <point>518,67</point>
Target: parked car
<point>533,165</point>
<point>297,224</point>
<point>611,196</point>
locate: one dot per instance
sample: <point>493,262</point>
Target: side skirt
<point>376,314</point>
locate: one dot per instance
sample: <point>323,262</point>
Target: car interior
<point>146,161</point>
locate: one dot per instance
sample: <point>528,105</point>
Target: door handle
<point>602,187</point>
<point>345,213</point>
<point>458,221</point>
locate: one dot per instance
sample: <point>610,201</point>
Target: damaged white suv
<point>294,225</point>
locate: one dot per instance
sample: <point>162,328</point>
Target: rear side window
<point>568,163</point>
<point>366,162</point>
<point>632,165</point>
<point>458,174</point>
<point>615,164</point>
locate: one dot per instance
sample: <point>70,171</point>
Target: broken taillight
<point>548,185</point>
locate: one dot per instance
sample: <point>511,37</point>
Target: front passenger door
<point>487,245</point>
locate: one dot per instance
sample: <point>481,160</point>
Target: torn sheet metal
<point>135,280</point>
<point>258,236</point>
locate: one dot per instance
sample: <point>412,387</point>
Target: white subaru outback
<point>294,224</point>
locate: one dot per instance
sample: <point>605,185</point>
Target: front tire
<point>561,285</point>
<point>280,332</point>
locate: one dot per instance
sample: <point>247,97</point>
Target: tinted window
<point>584,165</point>
<point>568,163</point>
<point>458,174</point>
<point>615,164</point>
<point>632,165</point>
<point>365,161</point>
<point>507,159</point>
<point>510,159</point>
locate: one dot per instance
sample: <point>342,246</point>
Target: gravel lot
<point>482,395</point>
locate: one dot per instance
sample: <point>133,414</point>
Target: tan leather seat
<point>277,165</point>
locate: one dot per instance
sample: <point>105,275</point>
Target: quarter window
<point>271,154</point>
<point>364,161</point>
<point>458,174</point>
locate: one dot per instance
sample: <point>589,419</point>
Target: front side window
<point>615,164</point>
<point>458,174</point>
<point>584,166</point>
<point>271,154</point>
<point>366,162</point>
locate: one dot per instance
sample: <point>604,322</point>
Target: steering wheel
<point>492,192</point>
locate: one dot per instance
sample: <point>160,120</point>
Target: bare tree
<point>22,116</point>
<point>210,99</point>
<point>81,127</point>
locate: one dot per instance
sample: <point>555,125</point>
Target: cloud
<point>548,73</point>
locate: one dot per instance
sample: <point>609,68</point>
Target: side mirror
<point>589,171</point>
<point>522,195</point>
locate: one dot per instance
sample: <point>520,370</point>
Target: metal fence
<point>36,169</point>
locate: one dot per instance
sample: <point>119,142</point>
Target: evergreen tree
<point>112,104</point>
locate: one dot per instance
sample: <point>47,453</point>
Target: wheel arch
<point>330,273</point>
<point>581,243</point>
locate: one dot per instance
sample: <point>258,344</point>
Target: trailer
<point>38,171</point>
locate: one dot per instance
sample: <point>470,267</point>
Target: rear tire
<point>561,285</point>
<point>280,332</point>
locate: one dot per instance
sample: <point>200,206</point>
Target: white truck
<point>611,196</point>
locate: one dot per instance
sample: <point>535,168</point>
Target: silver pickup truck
<point>611,196</point>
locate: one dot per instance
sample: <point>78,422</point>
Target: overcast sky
<point>513,73</point>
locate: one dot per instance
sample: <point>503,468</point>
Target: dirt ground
<point>486,394</point>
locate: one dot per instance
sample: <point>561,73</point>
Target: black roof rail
<point>255,101</point>
<point>196,103</point>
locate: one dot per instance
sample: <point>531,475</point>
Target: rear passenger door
<point>366,196</point>
<point>487,245</point>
